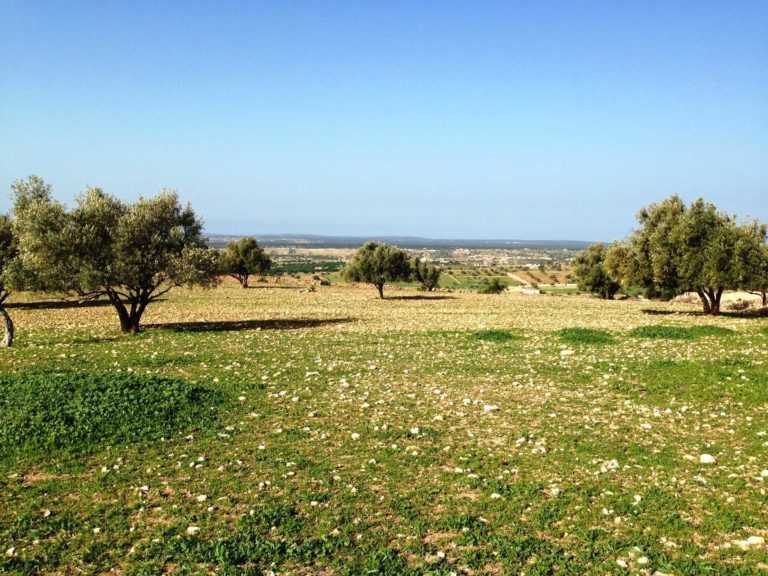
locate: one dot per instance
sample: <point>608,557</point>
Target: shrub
<point>75,412</point>
<point>426,274</point>
<point>492,286</point>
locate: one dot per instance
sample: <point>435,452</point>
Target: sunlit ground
<point>336,433</point>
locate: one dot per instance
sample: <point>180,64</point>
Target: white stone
<point>707,459</point>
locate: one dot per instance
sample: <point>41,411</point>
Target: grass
<point>585,336</point>
<point>680,332</point>
<point>496,336</point>
<point>408,439</point>
<point>78,412</point>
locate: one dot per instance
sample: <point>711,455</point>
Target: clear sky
<point>532,120</point>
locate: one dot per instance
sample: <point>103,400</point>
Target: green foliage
<point>591,273</point>
<point>694,248</point>
<point>680,332</point>
<point>8,252</point>
<point>377,263</point>
<point>492,286</point>
<point>8,258</point>
<point>426,274</point>
<point>585,336</point>
<point>130,253</point>
<point>663,332</point>
<point>496,336</point>
<point>76,412</point>
<point>244,257</point>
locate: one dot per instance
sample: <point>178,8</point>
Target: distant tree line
<point>680,248</point>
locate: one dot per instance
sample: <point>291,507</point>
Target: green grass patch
<point>698,381</point>
<point>702,331</point>
<point>496,336</point>
<point>680,332</point>
<point>77,412</point>
<point>585,336</point>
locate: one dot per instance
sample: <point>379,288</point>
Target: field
<point>279,431</point>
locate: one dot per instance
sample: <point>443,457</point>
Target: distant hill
<point>415,242</point>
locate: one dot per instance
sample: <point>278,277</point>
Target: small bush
<point>492,286</point>
<point>496,336</point>
<point>680,332</point>
<point>585,336</point>
<point>74,412</point>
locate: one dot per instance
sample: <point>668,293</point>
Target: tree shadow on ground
<point>237,325</point>
<point>420,297</point>
<point>653,312</point>
<point>754,313</point>
<point>274,287</point>
<point>57,304</point>
<point>65,304</point>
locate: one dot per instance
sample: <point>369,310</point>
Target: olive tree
<point>8,252</point>
<point>244,257</point>
<point>426,274</point>
<point>753,261</point>
<point>592,274</point>
<point>695,248</point>
<point>130,253</point>
<point>378,263</point>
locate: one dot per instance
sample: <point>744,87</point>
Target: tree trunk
<point>704,301</point>
<point>129,321</point>
<point>716,302</point>
<point>712,298</point>
<point>7,341</point>
<point>764,294</point>
<point>244,281</point>
<point>380,288</point>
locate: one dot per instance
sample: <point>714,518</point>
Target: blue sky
<point>533,120</point>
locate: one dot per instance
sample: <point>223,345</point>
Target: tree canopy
<point>132,253</point>
<point>8,253</point>
<point>426,274</point>
<point>591,273</point>
<point>378,263</point>
<point>243,258</point>
<point>694,248</point>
